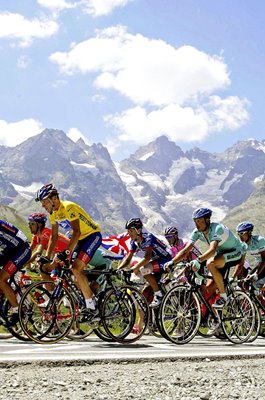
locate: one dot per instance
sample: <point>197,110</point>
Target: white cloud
<point>181,124</point>
<point>57,5</point>
<point>99,8</point>
<point>74,134</point>
<point>147,71</point>
<point>15,26</point>
<point>173,89</point>
<point>14,133</point>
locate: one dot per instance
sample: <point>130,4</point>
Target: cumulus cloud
<point>173,89</point>
<point>99,8</point>
<point>147,71</point>
<point>15,26</point>
<point>14,133</point>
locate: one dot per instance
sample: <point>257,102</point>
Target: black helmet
<point>46,191</point>
<point>134,223</point>
<point>171,230</point>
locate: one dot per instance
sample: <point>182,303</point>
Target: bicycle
<point>118,308</point>
<point>180,312</point>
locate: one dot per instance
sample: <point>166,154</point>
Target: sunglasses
<point>32,223</point>
<point>242,233</point>
<point>169,236</point>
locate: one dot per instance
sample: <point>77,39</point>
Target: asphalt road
<point>93,349</point>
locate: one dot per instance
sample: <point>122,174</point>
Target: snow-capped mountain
<point>159,182</point>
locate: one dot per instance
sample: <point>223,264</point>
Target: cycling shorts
<point>158,265</point>
<point>17,260</point>
<point>86,248</point>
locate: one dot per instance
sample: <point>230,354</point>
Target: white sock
<point>90,304</point>
<point>14,310</point>
<point>224,296</point>
<point>159,293</point>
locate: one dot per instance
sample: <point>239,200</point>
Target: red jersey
<point>61,244</point>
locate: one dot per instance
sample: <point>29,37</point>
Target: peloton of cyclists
<point>85,240</point>
<point>14,253</point>
<point>156,254</point>
<point>255,247</point>
<point>223,247</point>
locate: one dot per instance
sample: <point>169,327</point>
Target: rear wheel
<point>122,310</point>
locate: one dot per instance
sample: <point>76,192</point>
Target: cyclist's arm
<point>183,253</point>
<point>210,252</point>
<point>37,252</point>
<point>238,272</point>
<point>144,261</point>
<point>76,232</point>
<point>126,260</point>
<point>261,265</point>
<point>53,240</point>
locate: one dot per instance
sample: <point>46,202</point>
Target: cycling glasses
<point>242,233</point>
<point>169,236</point>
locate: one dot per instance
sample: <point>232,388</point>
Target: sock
<point>90,304</point>
<point>159,293</point>
<point>224,296</point>
<point>14,310</point>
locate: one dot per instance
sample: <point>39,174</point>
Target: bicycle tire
<point>121,309</point>
<point>180,314</point>
<point>14,331</point>
<point>238,317</point>
<point>45,324</point>
<point>256,330</point>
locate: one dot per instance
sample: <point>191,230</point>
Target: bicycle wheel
<point>44,317</point>
<point>14,331</point>
<point>180,315</point>
<point>238,317</point>
<point>154,327</point>
<point>256,330</point>
<point>122,308</point>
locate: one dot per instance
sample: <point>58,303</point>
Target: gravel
<point>205,379</point>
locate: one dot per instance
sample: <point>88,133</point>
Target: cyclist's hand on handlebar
<point>168,266</point>
<point>195,265</point>
<point>253,277</point>
<point>43,260</point>
<point>63,255</point>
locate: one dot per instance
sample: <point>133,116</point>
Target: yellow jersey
<point>69,211</point>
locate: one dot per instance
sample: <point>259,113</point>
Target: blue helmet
<point>38,217</point>
<point>245,226</point>
<point>46,191</point>
<point>202,213</point>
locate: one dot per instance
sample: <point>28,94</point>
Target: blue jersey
<point>11,238</point>
<point>160,250</point>
<point>227,241</point>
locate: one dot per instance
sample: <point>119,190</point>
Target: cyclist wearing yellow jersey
<point>85,240</point>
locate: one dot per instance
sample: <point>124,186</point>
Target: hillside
<point>252,210</point>
<point>10,214</point>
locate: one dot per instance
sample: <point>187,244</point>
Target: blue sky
<point>123,72</point>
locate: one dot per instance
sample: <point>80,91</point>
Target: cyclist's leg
<point>83,252</point>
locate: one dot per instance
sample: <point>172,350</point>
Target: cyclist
<point>155,255</point>
<point>14,253</point>
<point>85,240</point>
<point>255,247</point>
<point>224,247</point>
<point>177,243</point>
<point>41,236</point>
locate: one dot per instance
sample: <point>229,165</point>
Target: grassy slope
<point>9,214</point>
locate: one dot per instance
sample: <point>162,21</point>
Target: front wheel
<point>180,315</point>
<point>44,317</point>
